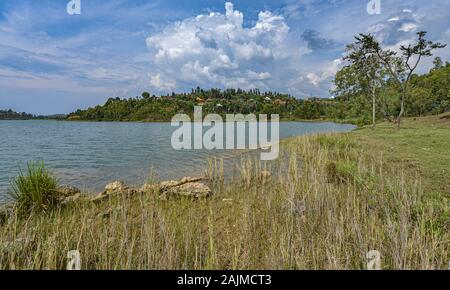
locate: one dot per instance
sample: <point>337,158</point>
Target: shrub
<point>35,190</point>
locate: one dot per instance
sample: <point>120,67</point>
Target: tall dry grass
<point>327,204</point>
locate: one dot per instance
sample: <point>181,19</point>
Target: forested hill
<point>430,94</point>
<point>11,115</point>
<point>231,101</point>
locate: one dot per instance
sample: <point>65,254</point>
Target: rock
<point>148,188</point>
<point>116,186</point>
<point>186,187</point>
<point>68,190</point>
<point>169,184</point>
<point>192,179</point>
<point>190,189</point>
<point>71,199</point>
<point>112,188</point>
<point>174,183</point>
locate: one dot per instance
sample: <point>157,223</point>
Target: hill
<point>430,94</point>
<point>11,115</point>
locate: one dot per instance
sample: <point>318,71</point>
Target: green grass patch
<point>422,144</point>
<point>34,190</point>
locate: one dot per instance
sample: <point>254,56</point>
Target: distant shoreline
<point>344,122</point>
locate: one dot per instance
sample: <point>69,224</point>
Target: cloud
<point>315,41</point>
<point>164,85</point>
<point>407,27</point>
<point>216,50</point>
<point>398,27</point>
<point>328,72</point>
<point>301,9</point>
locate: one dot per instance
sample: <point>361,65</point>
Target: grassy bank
<point>330,200</point>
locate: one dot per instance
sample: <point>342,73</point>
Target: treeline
<point>231,101</point>
<point>429,94</point>
<point>12,115</point>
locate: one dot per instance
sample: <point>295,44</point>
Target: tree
<point>367,72</point>
<point>145,95</point>
<point>438,63</point>
<point>401,68</point>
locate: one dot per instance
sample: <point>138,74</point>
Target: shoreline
<point>343,122</point>
<point>220,154</point>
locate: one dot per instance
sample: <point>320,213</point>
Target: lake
<point>91,154</point>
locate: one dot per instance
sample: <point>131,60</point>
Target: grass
<point>331,199</point>
<point>35,190</point>
<point>422,143</point>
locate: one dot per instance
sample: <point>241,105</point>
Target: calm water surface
<point>89,155</point>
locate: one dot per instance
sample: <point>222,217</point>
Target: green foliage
<point>230,101</point>
<point>35,190</point>
<point>429,94</point>
<point>11,115</point>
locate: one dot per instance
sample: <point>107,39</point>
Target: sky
<point>52,62</point>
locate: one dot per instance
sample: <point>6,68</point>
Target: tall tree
<point>368,72</point>
<point>401,66</point>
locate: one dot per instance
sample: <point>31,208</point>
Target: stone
<point>191,179</point>
<point>71,199</point>
<point>116,186</point>
<point>68,190</point>
<point>186,187</point>
<point>148,188</point>
<point>169,184</point>
<point>175,183</point>
<point>191,189</point>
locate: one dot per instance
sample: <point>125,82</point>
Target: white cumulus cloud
<point>217,50</point>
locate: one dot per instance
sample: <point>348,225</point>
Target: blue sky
<point>52,62</point>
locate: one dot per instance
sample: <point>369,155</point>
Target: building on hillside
<point>280,102</point>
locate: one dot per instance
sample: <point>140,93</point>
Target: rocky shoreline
<point>188,187</point>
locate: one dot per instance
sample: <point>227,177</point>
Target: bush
<point>35,191</point>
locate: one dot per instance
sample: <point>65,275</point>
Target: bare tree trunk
<point>402,111</point>
<point>374,121</point>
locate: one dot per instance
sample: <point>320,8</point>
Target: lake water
<point>90,154</point>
